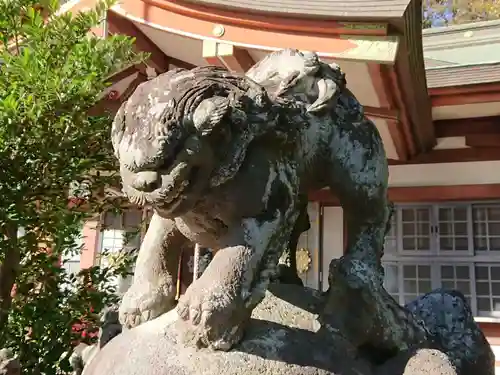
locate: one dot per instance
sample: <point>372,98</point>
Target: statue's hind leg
<point>359,177</point>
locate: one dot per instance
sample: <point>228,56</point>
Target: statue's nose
<point>146,181</point>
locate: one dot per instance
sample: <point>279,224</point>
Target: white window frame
<point>436,259</point>
<point>122,284</point>
<point>121,227</point>
<point>72,265</point>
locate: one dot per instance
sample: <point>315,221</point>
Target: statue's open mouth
<point>174,189</point>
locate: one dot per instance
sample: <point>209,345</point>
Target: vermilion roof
<point>473,43</point>
<point>459,75</point>
<point>338,9</point>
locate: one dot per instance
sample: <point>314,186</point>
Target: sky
<point>438,18</point>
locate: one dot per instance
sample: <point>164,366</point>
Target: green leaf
<point>49,80</point>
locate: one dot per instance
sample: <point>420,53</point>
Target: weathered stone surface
<point>9,364</point>
<point>359,308</point>
<point>419,362</point>
<point>449,320</point>
<point>224,160</point>
<point>281,339</point>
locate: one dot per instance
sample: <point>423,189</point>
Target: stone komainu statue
<point>224,159</point>
<point>9,364</point>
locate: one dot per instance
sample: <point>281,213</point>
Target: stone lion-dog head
<point>186,131</point>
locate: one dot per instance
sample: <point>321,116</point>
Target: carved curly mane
<point>163,112</point>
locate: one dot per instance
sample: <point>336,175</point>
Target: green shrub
<point>52,71</point>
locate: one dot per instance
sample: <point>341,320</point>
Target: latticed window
<point>118,227</point>
<point>453,246</point>
<point>120,232</point>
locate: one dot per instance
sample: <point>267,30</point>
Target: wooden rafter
<point>125,94</point>
<point>464,90</point>
<point>209,53</point>
<point>127,72</point>
<point>180,64</point>
<point>391,102</point>
<point>483,140</point>
<point>226,55</point>
<point>234,58</point>
<point>467,126</point>
<point>455,155</point>
<point>462,99</point>
<point>383,113</point>
<point>111,105</point>
<point>120,25</point>
<point>465,94</point>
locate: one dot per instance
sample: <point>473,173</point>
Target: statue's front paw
<point>212,316</point>
<point>142,303</point>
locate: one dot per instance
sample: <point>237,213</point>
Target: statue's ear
<point>326,90</point>
<point>243,133</point>
<point>235,155</point>
<point>209,114</point>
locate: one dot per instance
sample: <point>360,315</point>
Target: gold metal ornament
<point>303,260</point>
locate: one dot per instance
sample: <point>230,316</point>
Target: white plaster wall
<point>333,239</point>
<point>445,174</point>
<point>496,352</point>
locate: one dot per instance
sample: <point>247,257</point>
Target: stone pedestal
<point>283,337</point>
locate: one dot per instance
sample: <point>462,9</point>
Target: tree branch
<point>8,273</point>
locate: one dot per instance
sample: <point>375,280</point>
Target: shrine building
<point>434,97</point>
